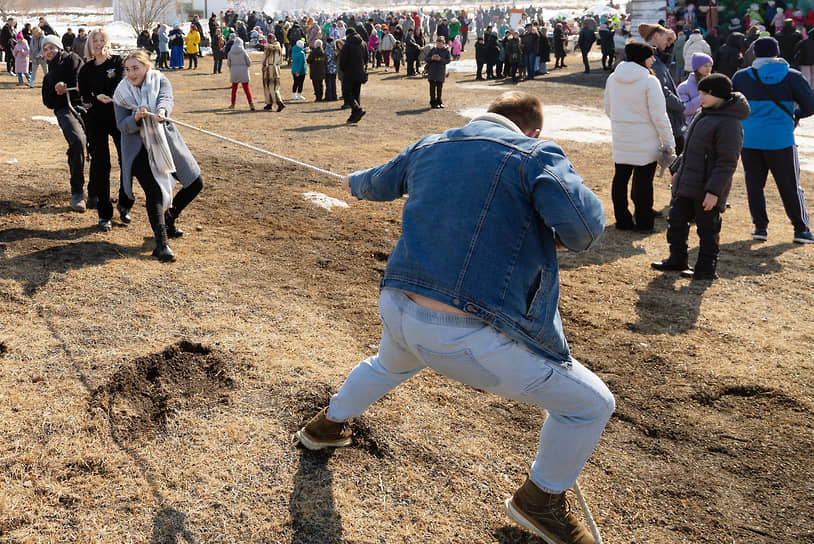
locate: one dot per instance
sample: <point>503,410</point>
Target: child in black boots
<point>702,177</point>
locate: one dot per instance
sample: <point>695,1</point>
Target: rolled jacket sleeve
<point>385,182</point>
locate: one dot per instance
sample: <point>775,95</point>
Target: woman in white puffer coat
<point>641,131</point>
<point>695,44</point>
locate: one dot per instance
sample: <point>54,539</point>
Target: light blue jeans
<point>468,350</point>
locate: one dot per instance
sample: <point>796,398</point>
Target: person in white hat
<point>59,92</point>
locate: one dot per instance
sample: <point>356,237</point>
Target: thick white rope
<point>587,511</point>
<point>253,148</point>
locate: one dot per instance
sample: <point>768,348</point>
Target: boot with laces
<point>162,250</point>
<point>321,433</point>
<point>547,515</point>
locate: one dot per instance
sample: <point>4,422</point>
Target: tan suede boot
<point>546,515</point>
<point>321,433</point>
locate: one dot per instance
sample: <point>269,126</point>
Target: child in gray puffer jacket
<point>702,177</point>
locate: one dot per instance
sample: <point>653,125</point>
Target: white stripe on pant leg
<point>801,199</point>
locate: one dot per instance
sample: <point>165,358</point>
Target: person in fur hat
<point>272,59</point>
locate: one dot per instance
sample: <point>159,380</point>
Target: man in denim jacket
<point>471,290</point>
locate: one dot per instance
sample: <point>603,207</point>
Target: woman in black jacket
<point>804,58</point>
<point>98,79</point>
<point>352,60</point>
<point>543,50</point>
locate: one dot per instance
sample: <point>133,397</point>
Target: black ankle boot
<point>162,249</point>
<point>704,270</point>
<point>676,264</point>
<point>169,220</point>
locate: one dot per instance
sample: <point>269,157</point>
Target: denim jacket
<point>481,238</point>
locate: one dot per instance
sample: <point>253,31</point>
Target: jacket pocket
<point>539,306</point>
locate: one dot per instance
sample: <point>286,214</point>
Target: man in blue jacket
<point>471,290</point>
<point>778,97</point>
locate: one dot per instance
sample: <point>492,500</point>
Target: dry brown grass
<point>104,439</point>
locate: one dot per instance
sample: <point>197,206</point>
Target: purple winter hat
<point>700,59</point>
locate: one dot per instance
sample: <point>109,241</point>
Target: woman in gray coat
<point>36,55</point>
<point>152,150</point>
<point>238,62</point>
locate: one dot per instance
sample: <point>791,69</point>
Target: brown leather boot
<point>321,433</point>
<point>546,515</point>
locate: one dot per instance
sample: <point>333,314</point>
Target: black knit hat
<point>717,85</point>
<point>638,52</point>
<point>766,47</point>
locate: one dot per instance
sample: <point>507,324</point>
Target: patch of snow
<point>324,201</point>
<point>11,161</point>
<point>466,66</point>
<point>804,137</point>
<point>575,123</point>
<point>486,86</point>
<point>46,118</point>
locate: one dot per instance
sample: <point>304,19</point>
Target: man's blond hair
<point>524,109</point>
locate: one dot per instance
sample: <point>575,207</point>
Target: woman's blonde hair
<point>88,52</point>
<point>140,55</point>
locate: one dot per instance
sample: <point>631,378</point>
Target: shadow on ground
<point>34,270</point>
<point>671,304</point>
<point>313,513</point>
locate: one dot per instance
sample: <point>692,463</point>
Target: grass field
<point>146,402</point>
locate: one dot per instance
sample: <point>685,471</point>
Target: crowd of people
<point>709,121</point>
<point>456,283</point>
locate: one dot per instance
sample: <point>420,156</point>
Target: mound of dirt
<point>142,396</point>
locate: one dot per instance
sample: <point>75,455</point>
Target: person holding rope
<point>98,79</point>
<point>59,92</point>
<point>153,150</point>
<point>472,292</point>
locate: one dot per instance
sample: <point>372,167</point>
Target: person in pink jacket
<point>20,53</point>
<point>455,47</point>
<point>372,48</point>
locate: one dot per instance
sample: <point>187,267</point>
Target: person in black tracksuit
<point>62,71</point>
<point>98,79</point>
<point>703,177</point>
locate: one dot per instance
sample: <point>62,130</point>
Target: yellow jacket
<point>192,40</point>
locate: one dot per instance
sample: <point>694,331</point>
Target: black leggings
<point>641,193</point>
<point>152,191</point>
<point>298,81</point>
<point>435,92</point>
